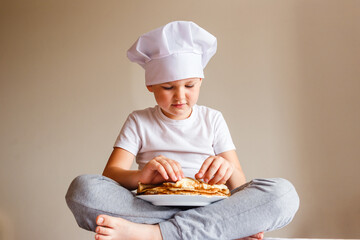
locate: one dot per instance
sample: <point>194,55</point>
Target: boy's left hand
<point>215,170</point>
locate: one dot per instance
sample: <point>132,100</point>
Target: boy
<point>177,138</point>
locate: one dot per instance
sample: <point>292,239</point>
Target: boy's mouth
<point>178,105</point>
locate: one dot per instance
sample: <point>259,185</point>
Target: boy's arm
<point>157,170</point>
<point>238,177</point>
<point>117,168</point>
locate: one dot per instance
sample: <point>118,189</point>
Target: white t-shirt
<point>149,133</point>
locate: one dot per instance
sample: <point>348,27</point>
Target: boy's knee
<point>78,198</point>
<point>282,193</point>
<point>282,186</point>
<point>275,186</point>
<point>80,187</point>
<point>282,197</point>
<point>286,202</point>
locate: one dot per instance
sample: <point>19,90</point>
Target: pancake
<point>186,186</point>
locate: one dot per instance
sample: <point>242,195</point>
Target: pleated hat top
<point>178,50</point>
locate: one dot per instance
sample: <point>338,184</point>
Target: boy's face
<point>177,98</point>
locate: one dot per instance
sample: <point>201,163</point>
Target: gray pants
<point>259,205</point>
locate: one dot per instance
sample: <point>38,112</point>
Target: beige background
<point>286,77</point>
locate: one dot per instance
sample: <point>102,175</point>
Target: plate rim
<point>197,200</point>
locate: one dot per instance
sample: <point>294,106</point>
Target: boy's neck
<point>175,118</point>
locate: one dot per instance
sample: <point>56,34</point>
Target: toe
<point>105,220</point>
<point>103,230</point>
<point>102,237</point>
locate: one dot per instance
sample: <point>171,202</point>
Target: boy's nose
<point>179,93</point>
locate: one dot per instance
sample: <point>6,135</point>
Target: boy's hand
<point>161,169</point>
<point>215,170</point>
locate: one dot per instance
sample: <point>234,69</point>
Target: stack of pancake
<point>186,186</point>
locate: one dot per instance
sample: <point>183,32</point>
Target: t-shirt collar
<point>177,122</point>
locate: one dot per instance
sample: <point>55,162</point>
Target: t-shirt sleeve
<point>222,137</point>
<point>128,138</point>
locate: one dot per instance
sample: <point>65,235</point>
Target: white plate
<point>180,200</point>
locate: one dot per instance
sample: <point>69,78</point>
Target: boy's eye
<point>189,86</point>
<point>167,88</point>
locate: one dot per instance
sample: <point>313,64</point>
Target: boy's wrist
<point>133,179</point>
<point>137,177</point>
<point>126,178</point>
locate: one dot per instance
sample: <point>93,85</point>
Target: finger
<point>168,168</point>
<point>228,174</point>
<point>176,168</point>
<point>204,167</point>
<point>214,167</point>
<point>158,167</point>
<point>181,173</point>
<point>219,174</point>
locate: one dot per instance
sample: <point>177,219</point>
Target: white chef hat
<point>178,50</point>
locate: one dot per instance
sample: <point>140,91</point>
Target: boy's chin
<point>178,115</point>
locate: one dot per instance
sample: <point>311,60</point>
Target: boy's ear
<point>150,88</point>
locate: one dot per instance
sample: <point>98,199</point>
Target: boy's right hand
<point>161,169</point>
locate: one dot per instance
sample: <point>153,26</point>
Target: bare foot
<point>112,228</point>
<point>258,236</point>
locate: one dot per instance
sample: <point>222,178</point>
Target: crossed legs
<point>100,204</point>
